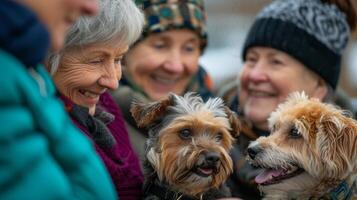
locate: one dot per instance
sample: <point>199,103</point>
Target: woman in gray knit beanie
<point>293,45</point>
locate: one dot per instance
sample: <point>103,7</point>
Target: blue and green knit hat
<point>163,15</point>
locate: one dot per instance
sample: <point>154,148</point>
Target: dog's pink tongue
<point>206,171</point>
<point>267,175</point>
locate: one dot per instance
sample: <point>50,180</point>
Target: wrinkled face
<point>86,73</point>
<point>59,15</point>
<point>308,147</point>
<point>164,62</point>
<point>267,77</point>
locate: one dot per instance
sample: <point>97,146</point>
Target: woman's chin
<point>257,117</point>
<point>92,110</point>
<point>162,94</point>
<point>158,96</point>
<point>260,110</point>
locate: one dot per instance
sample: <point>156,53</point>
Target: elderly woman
<point>165,59</point>
<point>43,156</point>
<point>88,66</point>
<point>289,48</point>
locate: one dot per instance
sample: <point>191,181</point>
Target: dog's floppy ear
<point>145,114</point>
<point>336,140</point>
<point>233,121</point>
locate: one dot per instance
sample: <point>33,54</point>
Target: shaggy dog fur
<point>187,153</point>
<point>312,149</point>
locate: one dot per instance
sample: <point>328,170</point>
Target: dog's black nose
<point>253,151</point>
<point>212,157</point>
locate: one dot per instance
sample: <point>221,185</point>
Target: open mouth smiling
<point>89,94</point>
<point>256,93</point>
<point>165,80</point>
<point>271,176</point>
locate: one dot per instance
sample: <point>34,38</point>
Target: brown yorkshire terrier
<point>311,152</point>
<point>187,153</point>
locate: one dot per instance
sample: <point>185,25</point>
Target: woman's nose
<point>258,72</point>
<point>110,78</point>
<point>89,7</point>
<point>174,63</point>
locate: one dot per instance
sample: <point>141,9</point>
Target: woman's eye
<point>276,62</point>
<point>118,60</point>
<point>251,59</point>
<point>185,134</point>
<point>96,61</point>
<point>190,48</point>
<point>159,45</point>
<point>294,133</point>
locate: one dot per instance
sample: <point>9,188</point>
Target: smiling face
<point>59,15</point>
<point>164,62</point>
<point>86,73</point>
<point>268,77</point>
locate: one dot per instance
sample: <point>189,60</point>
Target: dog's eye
<point>218,137</point>
<point>294,133</point>
<point>185,134</point>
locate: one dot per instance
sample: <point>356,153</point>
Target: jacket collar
<point>165,193</point>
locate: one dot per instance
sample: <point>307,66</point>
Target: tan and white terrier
<point>311,152</point>
<point>187,152</point>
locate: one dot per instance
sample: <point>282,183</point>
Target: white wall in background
<point>222,57</point>
<point>351,62</point>
<point>227,27</point>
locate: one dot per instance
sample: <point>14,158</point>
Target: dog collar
<point>164,193</point>
<point>342,192</point>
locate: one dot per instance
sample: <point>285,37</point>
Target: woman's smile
<point>89,97</point>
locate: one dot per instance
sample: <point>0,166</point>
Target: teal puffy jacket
<point>42,155</point>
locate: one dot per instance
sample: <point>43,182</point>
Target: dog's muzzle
<point>208,165</point>
<point>253,151</point>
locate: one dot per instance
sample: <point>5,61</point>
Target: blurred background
<point>228,23</point>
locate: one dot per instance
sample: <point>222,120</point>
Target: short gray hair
<point>118,21</point>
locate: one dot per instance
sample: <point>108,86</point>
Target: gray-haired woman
<point>83,71</point>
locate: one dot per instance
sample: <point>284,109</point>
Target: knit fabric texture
<point>312,32</point>
<point>163,15</point>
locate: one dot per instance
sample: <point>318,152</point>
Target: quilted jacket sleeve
<point>42,155</point>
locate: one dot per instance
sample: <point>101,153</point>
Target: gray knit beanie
<point>313,32</point>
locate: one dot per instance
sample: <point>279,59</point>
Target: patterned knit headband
<point>163,15</point>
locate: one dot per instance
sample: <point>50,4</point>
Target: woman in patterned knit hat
<point>165,59</point>
<point>85,70</point>
<point>293,45</point>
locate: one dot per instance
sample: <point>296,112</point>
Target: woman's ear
<point>321,90</point>
<point>47,66</point>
